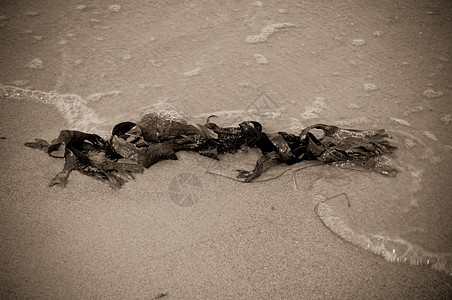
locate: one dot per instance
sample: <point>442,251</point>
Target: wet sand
<point>89,241</point>
<point>234,241</point>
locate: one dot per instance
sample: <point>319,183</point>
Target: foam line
<point>392,249</point>
<point>73,108</point>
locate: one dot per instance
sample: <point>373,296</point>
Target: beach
<point>177,231</point>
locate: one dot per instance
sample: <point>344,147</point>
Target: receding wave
<point>393,249</point>
<point>75,110</point>
<point>403,219</point>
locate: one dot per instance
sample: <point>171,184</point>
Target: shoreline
<point>178,232</point>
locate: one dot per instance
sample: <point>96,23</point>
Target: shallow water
<point>288,64</point>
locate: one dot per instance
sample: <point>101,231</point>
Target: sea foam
<point>266,32</point>
<point>393,249</point>
<point>74,109</point>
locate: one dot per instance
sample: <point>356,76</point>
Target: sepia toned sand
<point>89,241</point>
<point>176,231</point>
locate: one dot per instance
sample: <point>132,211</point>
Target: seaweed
<point>133,147</point>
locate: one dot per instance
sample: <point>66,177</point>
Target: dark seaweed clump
<point>133,147</point>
